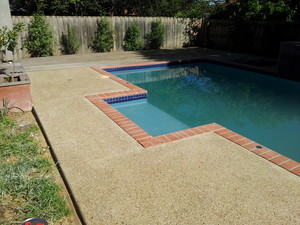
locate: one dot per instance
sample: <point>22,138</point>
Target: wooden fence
<point>176,35</point>
<point>261,38</point>
<point>258,37</point>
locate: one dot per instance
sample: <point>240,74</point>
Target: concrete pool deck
<point>203,179</point>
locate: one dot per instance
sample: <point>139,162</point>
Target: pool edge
<point>146,140</point>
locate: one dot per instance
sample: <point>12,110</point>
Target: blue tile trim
<point>125,98</point>
<point>135,67</point>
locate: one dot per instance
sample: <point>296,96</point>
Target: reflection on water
<point>262,108</point>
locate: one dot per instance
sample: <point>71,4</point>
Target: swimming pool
<point>263,108</point>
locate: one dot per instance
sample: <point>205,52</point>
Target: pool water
<point>260,107</point>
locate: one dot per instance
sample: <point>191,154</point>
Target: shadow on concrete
<point>198,53</point>
<point>174,54</point>
<point>124,58</point>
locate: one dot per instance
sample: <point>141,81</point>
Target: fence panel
<point>85,27</point>
<point>261,37</point>
<point>257,37</point>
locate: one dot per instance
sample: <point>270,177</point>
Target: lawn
<point>30,185</point>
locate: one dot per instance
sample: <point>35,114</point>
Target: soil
<point>5,78</point>
<point>26,119</point>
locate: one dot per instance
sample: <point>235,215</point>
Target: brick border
<point>146,140</point>
<point>261,151</point>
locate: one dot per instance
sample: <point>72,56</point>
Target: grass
<point>27,187</point>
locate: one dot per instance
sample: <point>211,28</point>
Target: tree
<point>250,10</point>
<point>197,10</point>
<point>101,7</point>
<point>12,43</point>
<point>9,41</point>
<point>59,7</point>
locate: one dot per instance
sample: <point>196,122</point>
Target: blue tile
<point>136,67</point>
<point>125,98</point>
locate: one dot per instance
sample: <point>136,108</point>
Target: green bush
<point>155,39</point>
<point>69,42</point>
<point>103,37</point>
<point>39,40</point>
<point>131,40</point>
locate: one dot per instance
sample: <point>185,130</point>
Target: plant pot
<point>4,79</point>
<point>16,92</point>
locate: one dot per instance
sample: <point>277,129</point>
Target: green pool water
<point>260,107</point>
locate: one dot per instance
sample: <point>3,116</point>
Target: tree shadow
<point>198,46</point>
<point>194,33</point>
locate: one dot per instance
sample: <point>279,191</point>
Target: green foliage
<point>9,37</point>
<point>131,40</point>
<point>103,37</point>
<point>69,42</point>
<point>155,39</point>
<point>294,5</point>
<point>25,184</point>
<point>276,11</point>
<point>101,7</point>
<point>3,37</point>
<point>166,8</point>
<point>61,7</point>
<point>39,40</point>
<point>6,106</point>
<point>198,10</point>
<point>9,41</point>
<point>223,9</point>
<point>13,35</point>
<point>243,15</point>
<point>250,10</point>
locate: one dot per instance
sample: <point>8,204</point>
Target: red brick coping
<point>146,140</point>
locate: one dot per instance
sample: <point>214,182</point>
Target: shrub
<point>131,40</point>
<point>69,42</point>
<point>39,40</point>
<point>155,39</point>
<point>103,37</point>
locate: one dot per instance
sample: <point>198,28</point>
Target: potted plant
<point>14,88</point>
<point>9,41</point>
